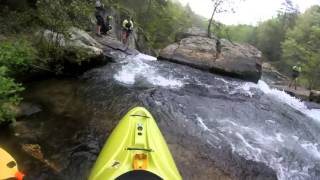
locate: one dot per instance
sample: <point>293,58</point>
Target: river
<point>216,127</point>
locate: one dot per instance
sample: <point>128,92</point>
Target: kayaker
<point>127,28</point>
<point>296,70</point>
<point>100,13</point>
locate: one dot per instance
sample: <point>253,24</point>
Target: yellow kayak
<point>136,149</point>
<point>9,167</point>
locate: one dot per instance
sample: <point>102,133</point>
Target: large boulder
<point>77,39</point>
<point>236,60</point>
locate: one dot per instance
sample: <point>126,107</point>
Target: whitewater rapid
<point>290,151</point>
<point>136,67</point>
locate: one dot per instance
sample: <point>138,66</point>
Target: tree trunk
<point>210,22</point>
<point>216,5</point>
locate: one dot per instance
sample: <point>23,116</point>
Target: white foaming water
<point>283,97</point>
<point>202,124</point>
<point>144,57</point>
<point>137,68</point>
<point>254,144</point>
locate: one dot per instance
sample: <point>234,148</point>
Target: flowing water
<point>216,127</point>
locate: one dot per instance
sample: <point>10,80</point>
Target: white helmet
<point>98,3</point>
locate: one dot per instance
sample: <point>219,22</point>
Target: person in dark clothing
<point>100,13</point>
<point>218,49</point>
<point>106,27</point>
<point>296,70</point>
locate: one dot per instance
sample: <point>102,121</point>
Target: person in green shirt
<point>296,70</point>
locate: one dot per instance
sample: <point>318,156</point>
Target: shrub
<point>9,97</point>
<point>15,57</point>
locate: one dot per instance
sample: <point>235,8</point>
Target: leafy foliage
<point>16,22</point>
<point>303,45</point>
<point>286,39</point>
<point>60,15</point>
<point>14,57</point>
<point>159,20</point>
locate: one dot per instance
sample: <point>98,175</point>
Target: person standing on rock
<point>296,70</point>
<point>127,28</point>
<point>100,13</point>
<point>218,48</point>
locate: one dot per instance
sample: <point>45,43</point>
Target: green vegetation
<point>15,57</point>
<point>159,20</point>
<point>302,45</point>
<point>285,40</point>
<point>22,48</point>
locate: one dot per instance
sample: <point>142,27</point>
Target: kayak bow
<point>136,149</point>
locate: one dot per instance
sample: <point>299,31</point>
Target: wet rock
<point>114,49</point>
<point>315,96</point>
<point>78,39</point>
<point>272,76</point>
<point>34,150</point>
<point>236,60</point>
<point>300,92</point>
<point>312,105</point>
<point>27,109</point>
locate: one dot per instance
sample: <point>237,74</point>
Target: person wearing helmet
<point>100,13</point>
<point>296,70</point>
<point>127,28</point>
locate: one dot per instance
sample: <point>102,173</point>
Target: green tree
<point>269,36</point>
<point>159,20</point>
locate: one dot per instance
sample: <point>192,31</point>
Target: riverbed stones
<point>236,60</point>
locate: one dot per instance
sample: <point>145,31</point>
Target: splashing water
<point>283,97</point>
<point>137,68</point>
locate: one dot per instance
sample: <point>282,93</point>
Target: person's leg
<point>98,30</point>
<point>99,24</point>
<point>124,34</point>
<point>128,38</point>
<point>290,84</point>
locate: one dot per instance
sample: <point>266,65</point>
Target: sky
<point>246,12</point>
